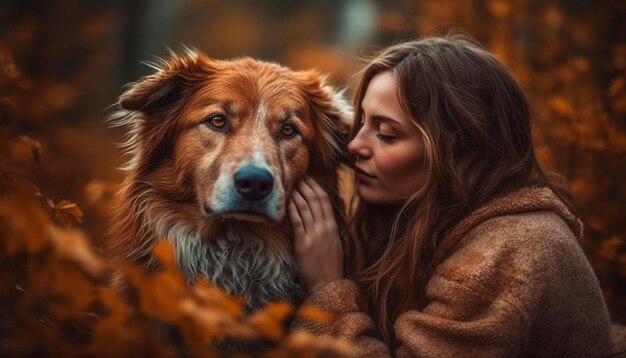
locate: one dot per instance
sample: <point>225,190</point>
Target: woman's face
<point>388,146</point>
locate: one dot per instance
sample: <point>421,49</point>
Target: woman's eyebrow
<point>382,118</point>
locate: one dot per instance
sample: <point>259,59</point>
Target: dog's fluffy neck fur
<point>249,259</point>
<point>243,258</point>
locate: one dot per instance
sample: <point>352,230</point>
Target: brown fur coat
<point>517,285</point>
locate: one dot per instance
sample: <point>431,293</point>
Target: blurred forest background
<point>63,63</point>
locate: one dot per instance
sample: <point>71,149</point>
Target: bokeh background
<point>63,63</point>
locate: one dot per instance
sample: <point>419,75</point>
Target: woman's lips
<point>362,174</point>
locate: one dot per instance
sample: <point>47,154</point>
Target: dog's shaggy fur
<point>192,128</point>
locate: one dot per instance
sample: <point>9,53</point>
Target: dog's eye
<point>288,131</point>
<point>218,122</point>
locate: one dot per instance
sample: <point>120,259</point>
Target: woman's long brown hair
<point>475,124</point>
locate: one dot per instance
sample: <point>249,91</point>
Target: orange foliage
<point>56,294</point>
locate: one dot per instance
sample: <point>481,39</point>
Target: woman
<point>459,243</point>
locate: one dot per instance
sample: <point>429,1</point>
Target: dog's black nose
<point>253,183</point>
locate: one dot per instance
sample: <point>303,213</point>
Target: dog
<point>215,149</point>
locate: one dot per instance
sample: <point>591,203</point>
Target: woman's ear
<point>332,114</point>
<point>157,91</point>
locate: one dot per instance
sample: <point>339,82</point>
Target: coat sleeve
<point>463,320</point>
<point>457,321</point>
<point>339,298</point>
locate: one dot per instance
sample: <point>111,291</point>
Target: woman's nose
<point>359,147</point>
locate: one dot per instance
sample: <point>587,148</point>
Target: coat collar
<point>521,201</point>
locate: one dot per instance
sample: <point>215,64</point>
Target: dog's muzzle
<point>247,194</point>
<point>253,183</point>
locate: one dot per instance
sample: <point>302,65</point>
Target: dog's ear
<point>332,116</point>
<point>150,103</point>
<point>152,92</point>
<point>175,76</point>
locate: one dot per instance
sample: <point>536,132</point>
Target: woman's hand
<point>317,246</point>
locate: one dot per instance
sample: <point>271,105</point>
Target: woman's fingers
<point>323,198</point>
<point>296,220</point>
<point>312,206</point>
<point>309,213</point>
<point>318,200</point>
<point>316,237</point>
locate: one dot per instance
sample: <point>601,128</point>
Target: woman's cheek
<point>401,169</point>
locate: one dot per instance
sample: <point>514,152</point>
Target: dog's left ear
<point>332,116</point>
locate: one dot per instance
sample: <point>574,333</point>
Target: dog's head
<point>233,138</point>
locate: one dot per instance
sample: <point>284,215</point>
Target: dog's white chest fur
<point>255,262</point>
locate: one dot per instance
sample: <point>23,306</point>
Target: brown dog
<point>216,148</point>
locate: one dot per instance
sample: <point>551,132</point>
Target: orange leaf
<point>97,191</point>
<point>499,9</point>
<point>163,251</point>
<point>610,248</point>
<point>207,295</point>
<point>66,212</point>
<point>561,105</point>
<point>75,246</point>
<point>310,312</point>
<point>35,147</point>
<point>270,320</point>
<point>159,294</point>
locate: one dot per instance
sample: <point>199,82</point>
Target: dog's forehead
<point>250,84</point>
<point>259,79</point>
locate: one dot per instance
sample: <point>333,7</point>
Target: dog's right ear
<point>168,85</point>
<point>152,92</point>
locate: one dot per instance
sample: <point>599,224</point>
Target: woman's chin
<point>369,194</point>
<point>378,196</point>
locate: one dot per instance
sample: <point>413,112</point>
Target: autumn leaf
<point>271,319</point>
<point>499,9</point>
<point>117,308</point>
<point>97,191</point>
<point>310,312</point>
<point>35,147</point>
<point>8,180</point>
<point>159,294</point>
<point>66,288</point>
<point>66,213</point>
<point>561,105</point>
<point>74,246</point>
<point>163,251</point>
<point>610,248</point>
<point>23,223</point>
<point>208,295</point>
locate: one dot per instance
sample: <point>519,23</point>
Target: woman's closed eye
<point>385,137</point>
